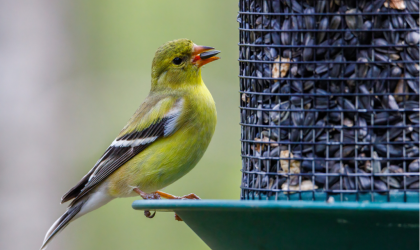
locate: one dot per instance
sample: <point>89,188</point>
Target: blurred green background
<point>110,46</point>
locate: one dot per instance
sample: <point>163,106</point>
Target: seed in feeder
<point>258,147</point>
<point>396,4</point>
<point>392,181</point>
<point>401,89</point>
<point>367,166</point>
<point>331,200</point>
<point>412,38</point>
<point>280,69</point>
<point>347,122</point>
<point>294,164</point>
<point>304,186</point>
<point>261,146</point>
<point>245,98</point>
<point>414,166</point>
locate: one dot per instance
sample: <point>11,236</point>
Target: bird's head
<point>177,64</point>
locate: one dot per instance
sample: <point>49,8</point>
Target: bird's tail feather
<point>61,223</point>
<point>89,203</point>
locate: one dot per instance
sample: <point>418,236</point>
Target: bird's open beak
<point>203,54</point>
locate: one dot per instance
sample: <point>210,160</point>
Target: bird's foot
<point>190,197</point>
<point>158,195</point>
<point>146,196</point>
<point>185,197</point>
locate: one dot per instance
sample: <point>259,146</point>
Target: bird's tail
<point>61,223</point>
<point>79,208</point>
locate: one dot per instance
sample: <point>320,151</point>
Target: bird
<point>164,139</point>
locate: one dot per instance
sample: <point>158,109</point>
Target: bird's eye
<point>177,61</point>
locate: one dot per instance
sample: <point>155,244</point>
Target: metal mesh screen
<point>329,99</point>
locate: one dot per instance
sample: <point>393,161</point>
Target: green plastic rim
<point>177,205</point>
<point>296,225</point>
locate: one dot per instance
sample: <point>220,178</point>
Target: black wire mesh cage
<point>329,99</point>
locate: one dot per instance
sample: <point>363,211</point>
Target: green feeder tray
<point>295,225</point>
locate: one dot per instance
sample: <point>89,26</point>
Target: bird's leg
<point>170,196</point>
<point>146,196</point>
<point>185,197</point>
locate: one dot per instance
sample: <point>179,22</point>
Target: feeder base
<point>227,224</point>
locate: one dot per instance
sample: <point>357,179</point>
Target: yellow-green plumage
<point>168,159</point>
<point>164,140</point>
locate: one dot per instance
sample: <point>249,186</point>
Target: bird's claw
<point>190,197</point>
<point>148,214</point>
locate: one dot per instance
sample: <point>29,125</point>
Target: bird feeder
<point>329,100</point>
<point>329,103</point>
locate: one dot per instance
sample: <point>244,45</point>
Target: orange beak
<point>202,55</point>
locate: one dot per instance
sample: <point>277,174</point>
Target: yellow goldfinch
<point>164,140</point>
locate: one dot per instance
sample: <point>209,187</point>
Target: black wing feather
<point>113,158</point>
<point>147,132</point>
<point>74,191</point>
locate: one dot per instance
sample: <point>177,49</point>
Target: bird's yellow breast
<point>169,158</point>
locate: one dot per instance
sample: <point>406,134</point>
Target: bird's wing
<point>155,118</point>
